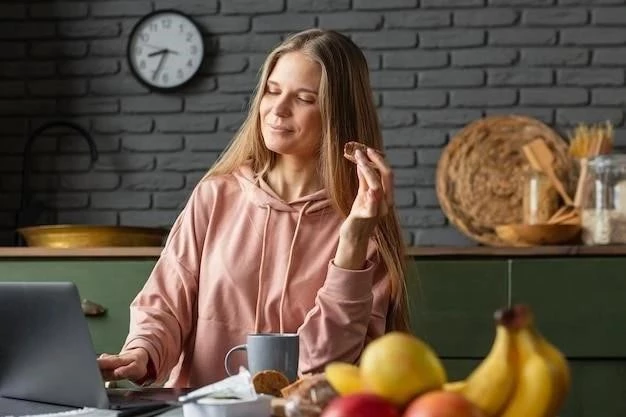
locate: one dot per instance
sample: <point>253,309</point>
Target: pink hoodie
<point>239,260</point>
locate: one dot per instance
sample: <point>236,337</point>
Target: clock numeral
<point>153,27</point>
<point>142,64</point>
<point>165,78</point>
<point>189,36</point>
<point>180,74</point>
<point>138,50</point>
<point>166,23</point>
<point>194,49</point>
<point>190,63</point>
<point>144,36</point>
<point>181,28</point>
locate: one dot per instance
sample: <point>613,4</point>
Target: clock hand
<point>160,52</point>
<point>159,65</point>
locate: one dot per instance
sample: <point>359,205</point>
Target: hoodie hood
<point>259,193</point>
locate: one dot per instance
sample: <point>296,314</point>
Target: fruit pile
<point>523,375</point>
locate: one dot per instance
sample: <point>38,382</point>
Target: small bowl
<point>208,407</point>
<point>538,234</point>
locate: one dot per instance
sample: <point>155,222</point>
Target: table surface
<point>14,407</point>
<point>11,407</point>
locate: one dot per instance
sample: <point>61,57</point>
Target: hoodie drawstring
<point>260,286</point>
<point>257,322</point>
<point>286,279</point>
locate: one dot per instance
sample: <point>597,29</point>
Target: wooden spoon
<point>584,168</point>
<point>538,154</point>
<point>578,196</point>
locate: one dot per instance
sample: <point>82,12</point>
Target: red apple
<point>360,405</point>
<point>442,404</point>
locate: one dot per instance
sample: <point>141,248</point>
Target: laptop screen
<point>46,352</point>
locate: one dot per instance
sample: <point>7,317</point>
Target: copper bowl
<point>89,236</point>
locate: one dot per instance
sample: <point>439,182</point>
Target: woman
<point>281,235</point>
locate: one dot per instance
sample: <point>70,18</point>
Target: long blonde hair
<point>348,113</point>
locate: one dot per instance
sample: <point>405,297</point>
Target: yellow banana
<point>455,386</point>
<point>560,371</point>
<point>536,382</point>
<point>491,384</point>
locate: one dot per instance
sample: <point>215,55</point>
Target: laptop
<point>47,355</point>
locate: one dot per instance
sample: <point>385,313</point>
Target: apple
<point>442,404</point>
<point>360,405</point>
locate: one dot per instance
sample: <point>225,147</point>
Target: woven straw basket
<point>481,173</point>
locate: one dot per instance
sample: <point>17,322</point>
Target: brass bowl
<point>538,234</point>
<point>90,236</point>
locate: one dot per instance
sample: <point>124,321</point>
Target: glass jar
<point>540,198</point>
<point>604,201</point>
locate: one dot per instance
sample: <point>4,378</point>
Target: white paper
<point>81,412</point>
<point>237,387</point>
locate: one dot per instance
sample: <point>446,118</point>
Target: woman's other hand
<point>132,365</point>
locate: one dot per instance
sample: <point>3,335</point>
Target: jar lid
<point>608,162</point>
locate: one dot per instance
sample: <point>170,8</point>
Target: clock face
<point>165,49</point>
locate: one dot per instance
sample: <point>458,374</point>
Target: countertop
<point>451,252</point>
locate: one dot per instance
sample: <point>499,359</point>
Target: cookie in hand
<point>350,148</point>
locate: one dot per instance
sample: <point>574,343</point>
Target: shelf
<point>454,252</point>
<point>126,252</point>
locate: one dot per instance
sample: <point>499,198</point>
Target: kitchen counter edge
<point>414,251</point>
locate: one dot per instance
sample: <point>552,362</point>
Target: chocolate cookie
<point>350,148</point>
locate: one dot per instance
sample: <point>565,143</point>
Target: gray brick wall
<point>436,65</point>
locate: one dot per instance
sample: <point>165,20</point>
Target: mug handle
<point>235,349</point>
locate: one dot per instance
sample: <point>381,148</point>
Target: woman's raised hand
<point>375,195</point>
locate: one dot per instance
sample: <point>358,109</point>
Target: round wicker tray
<point>480,175</point>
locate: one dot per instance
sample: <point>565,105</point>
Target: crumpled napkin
<point>236,387</point>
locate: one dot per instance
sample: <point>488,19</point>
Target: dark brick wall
<point>436,65</point>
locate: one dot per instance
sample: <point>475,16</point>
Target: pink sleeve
<point>163,314</point>
<point>350,309</point>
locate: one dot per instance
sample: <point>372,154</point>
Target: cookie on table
<point>269,382</point>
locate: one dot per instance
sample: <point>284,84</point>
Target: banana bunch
<point>522,376</point>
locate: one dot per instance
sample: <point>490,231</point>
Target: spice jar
<point>604,201</point>
<point>540,198</point>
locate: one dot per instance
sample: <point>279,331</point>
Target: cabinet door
<point>578,302</point>
<point>110,283</point>
<point>452,303</point>
<point>598,388</point>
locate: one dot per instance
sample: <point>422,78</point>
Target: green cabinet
<point>578,305</point>
<point>111,283</point>
<point>598,388</point>
<point>452,304</point>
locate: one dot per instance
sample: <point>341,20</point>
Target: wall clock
<point>165,49</point>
